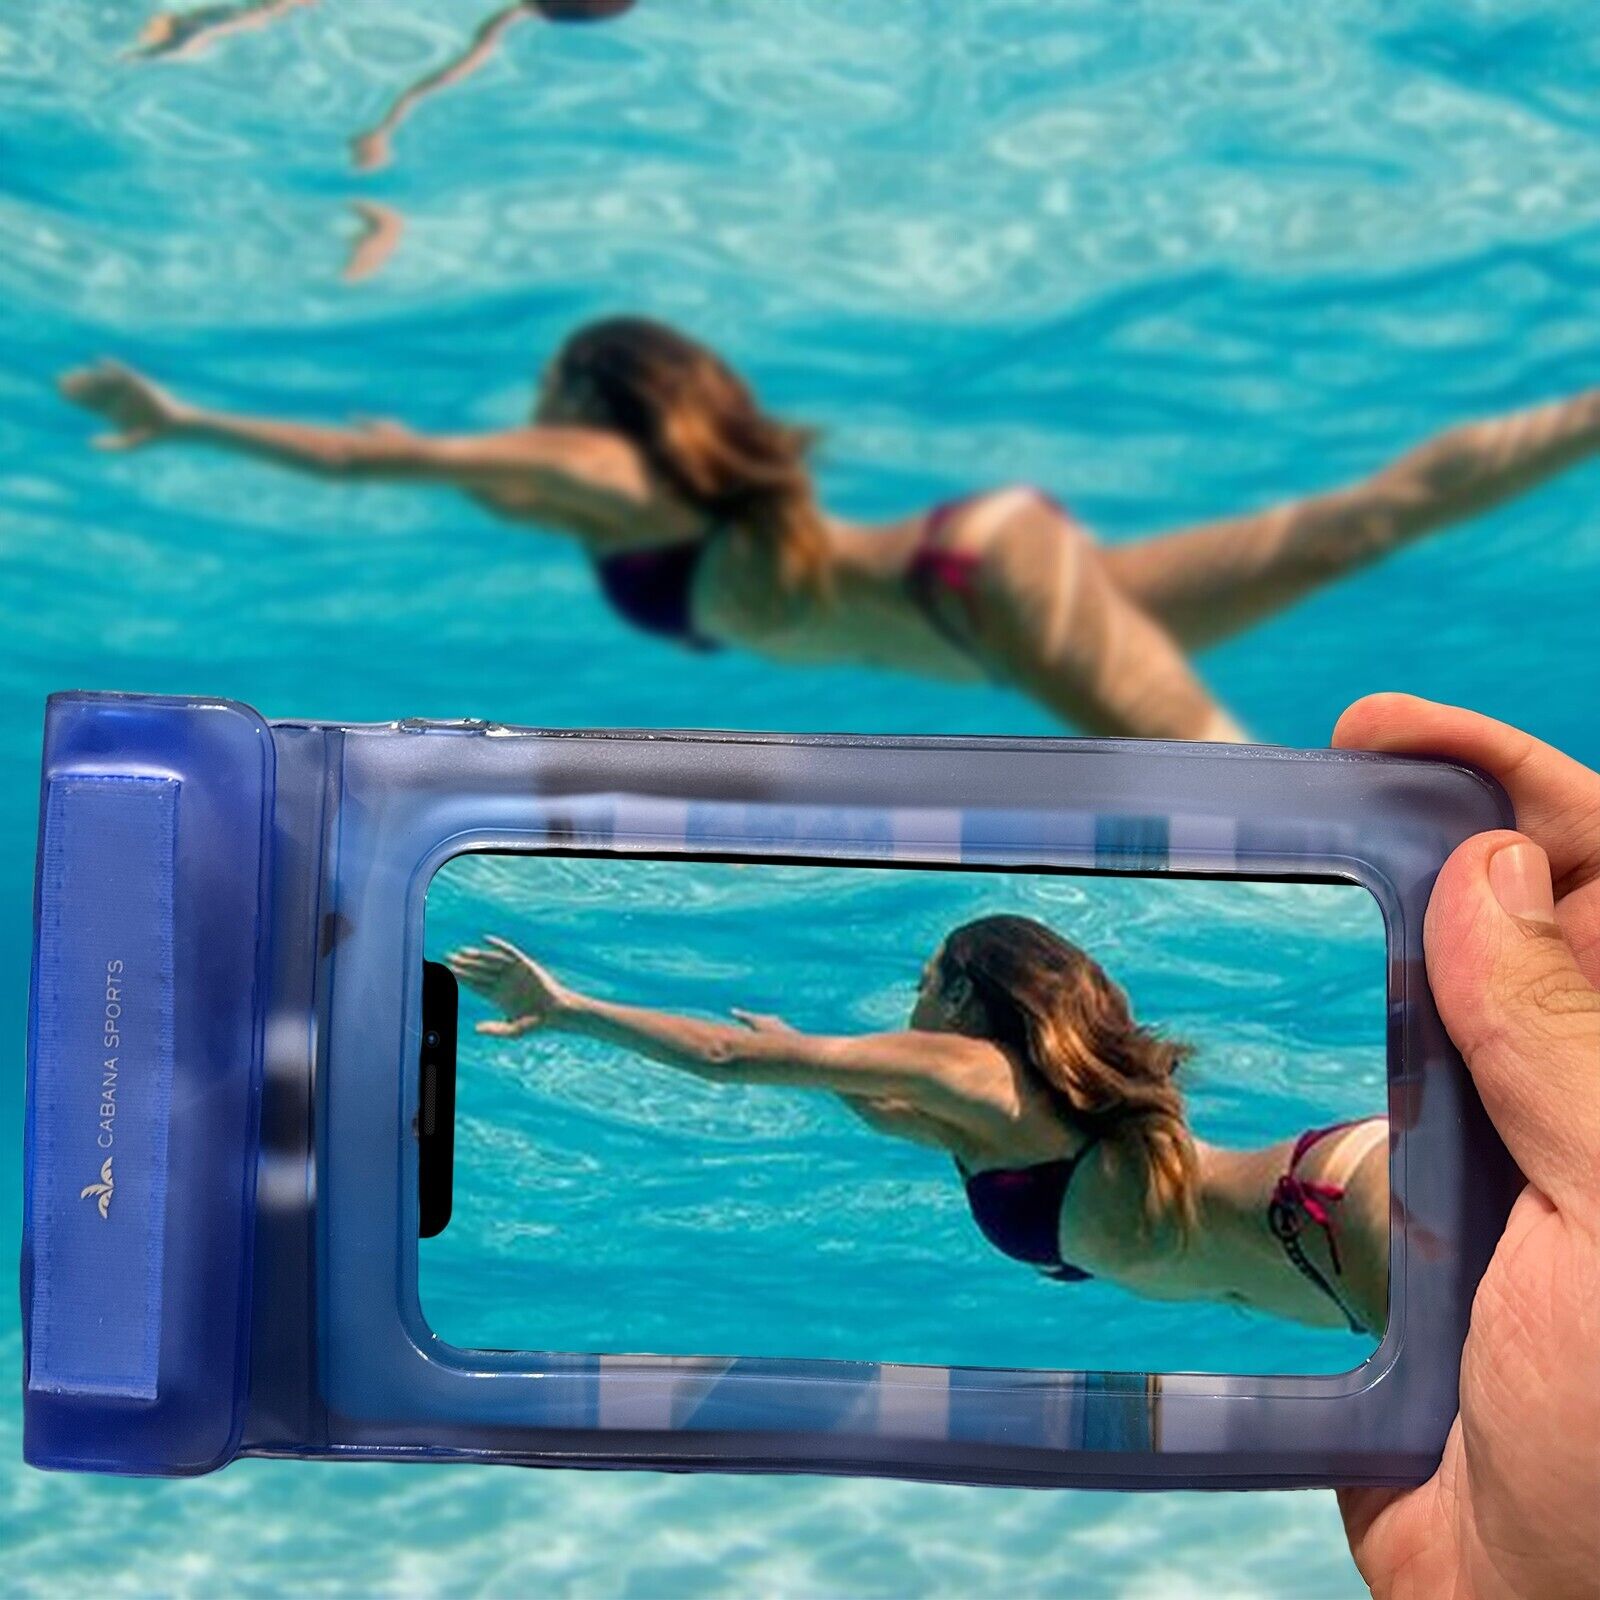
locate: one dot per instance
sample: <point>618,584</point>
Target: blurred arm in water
<point>373,148</point>
<point>182,35</point>
<point>576,477</point>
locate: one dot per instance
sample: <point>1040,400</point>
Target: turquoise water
<point>1170,259</point>
<point>605,1204</point>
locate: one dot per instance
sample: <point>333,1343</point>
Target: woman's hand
<point>1513,948</point>
<point>371,151</point>
<point>157,35</point>
<point>514,983</point>
<point>139,411</point>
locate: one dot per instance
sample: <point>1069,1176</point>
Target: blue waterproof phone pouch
<point>227,1090</point>
<point>145,1083</point>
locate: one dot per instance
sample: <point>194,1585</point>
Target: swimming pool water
<point>1166,257</point>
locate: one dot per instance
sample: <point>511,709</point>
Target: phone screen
<point>942,1115</point>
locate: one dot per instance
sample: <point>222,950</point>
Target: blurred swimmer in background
<point>699,514</point>
<point>374,148</point>
<point>381,226</point>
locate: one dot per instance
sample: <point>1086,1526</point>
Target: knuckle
<point>1554,989</point>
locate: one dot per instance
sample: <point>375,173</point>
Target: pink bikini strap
<point>1295,1198</point>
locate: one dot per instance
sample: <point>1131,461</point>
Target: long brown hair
<point>1042,997</point>
<point>703,433</point>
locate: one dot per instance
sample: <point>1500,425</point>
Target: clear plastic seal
<point>221,1230</point>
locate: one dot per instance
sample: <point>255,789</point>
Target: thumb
<point>1520,1011</point>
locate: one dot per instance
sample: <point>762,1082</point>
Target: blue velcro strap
<point>102,1086</point>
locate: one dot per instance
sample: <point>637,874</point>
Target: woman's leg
<point>1048,618</point>
<point>1206,583</point>
<point>1210,581</point>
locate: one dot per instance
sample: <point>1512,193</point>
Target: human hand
<point>158,34</point>
<point>1513,950</point>
<point>371,151</point>
<point>139,411</point>
<point>514,983</point>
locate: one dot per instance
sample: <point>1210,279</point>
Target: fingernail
<point>1519,874</point>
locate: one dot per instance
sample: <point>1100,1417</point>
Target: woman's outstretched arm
<point>372,148</point>
<point>926,1069</point>
<point>575,477</point>
<point>178,35</point>
<point>1208,582</point>
<point>896,1116</point>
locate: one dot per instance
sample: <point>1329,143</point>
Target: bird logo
<point>102,1191</point>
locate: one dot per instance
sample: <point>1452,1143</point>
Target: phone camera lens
<point>431,1038</point>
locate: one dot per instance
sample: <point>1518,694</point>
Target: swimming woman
<point>1022,1060</point>
<point>373,148</point>
<point>177,35</point>
<point>700,515</point>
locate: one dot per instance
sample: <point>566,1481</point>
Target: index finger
<point>1557,799</point>
<point>504,947</point>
